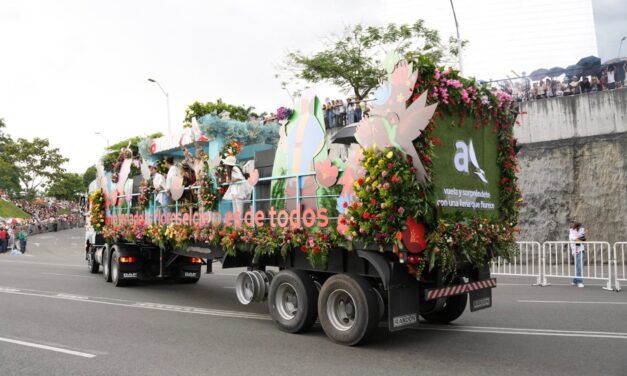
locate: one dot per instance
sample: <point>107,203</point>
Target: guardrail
<point>619,271</point>
<point>526,263</point>
<point>555,259</point>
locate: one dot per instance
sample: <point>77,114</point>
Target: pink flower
<point>401,210</point>
<point>386,185</point>
<point>384,174</point>
<point>436,75</point>
<point>454,83</point>
<point>465,98</point>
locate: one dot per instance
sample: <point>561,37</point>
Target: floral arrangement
<point>145,190</point>
<point>97,211</point>
<point>284,113</point>
<point>386,195</point>
<point>209,196</point>
<point>244,132</point>
<point>232,148</point>
<point>125,153</point>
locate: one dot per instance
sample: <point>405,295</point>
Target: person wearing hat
<point>234,193</point>
<point>158,182</point>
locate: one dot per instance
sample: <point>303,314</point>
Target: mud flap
<point>403,299</point>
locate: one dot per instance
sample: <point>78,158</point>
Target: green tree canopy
<point>9,181</point>
<point>352,60</point>
<point>36,162</point>
<point>67,186</point>
<point>88,176</point>
<point>198,109</point>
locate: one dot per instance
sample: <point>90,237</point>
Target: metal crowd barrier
<point>555,260</point>
<point>620,248</point>
<point>525,263</point>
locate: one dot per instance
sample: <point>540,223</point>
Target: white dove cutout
<point>473,159</point>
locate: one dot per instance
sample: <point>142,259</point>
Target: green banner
<point>465,172</point>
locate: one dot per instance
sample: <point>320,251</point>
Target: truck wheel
<point>92,265</point>
<point>115,271</point>
<point>452,309</point>
<point>106,264</point>
<point>348,309</point>
<point>292,301</point>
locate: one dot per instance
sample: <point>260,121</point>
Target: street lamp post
<point>459,41</point>
<point>621,45</point>
<point>104,138</point>
<point>167,100</point>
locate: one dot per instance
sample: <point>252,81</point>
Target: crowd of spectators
<point>47,215</point>
<point>338,113</point>
<point>525,89</point>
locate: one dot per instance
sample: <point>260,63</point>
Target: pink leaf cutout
<point>254,177</point>
<point>326,173</point>
<point>176,188</point>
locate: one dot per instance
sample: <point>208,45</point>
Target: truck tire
<point>292,301</point>
<point>115,270</point>
<point>106,264</point>
<point>452,309</point>
<point>92,264</point>
<point>348,309</point>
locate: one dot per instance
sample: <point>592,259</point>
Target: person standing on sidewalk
<point>21,236</point>
<point>3,239</point>
<point>576,235</point>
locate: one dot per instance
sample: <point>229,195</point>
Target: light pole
<point>621,45</point>
<point>104,138</point>
<point>167,100</point>
<point>459,41</point>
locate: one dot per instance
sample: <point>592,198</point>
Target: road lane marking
<point>69,275</point>
<point>46,347</point>
<point>527,332</point>
<point>257,316</point>
<point>41,263</point>
<point>569,302</point>
<point>140,305</point>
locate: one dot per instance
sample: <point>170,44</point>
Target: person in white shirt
<point>236,192</point>
<point>158,182</point>
<point>172,172</point>
<point>611,81</point>
<point>576,235</point>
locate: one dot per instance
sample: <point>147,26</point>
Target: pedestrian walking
<point>576,235</point>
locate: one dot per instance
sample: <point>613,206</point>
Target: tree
<point>9,181</point>
<point>67,186</point>
<point>353,59</point>
<point>88,176</point>
<point>37,164</point>
<point>197,110</point>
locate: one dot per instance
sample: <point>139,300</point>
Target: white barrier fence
<point>600,261</point>
<point>620,249</point>
<point>526,263</point>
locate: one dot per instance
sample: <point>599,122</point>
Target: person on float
<point>158,182</point>
<point>235,178</point>
<point>172,172</point>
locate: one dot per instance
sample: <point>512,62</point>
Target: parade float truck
<point>390,219</point>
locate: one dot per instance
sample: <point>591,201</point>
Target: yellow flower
<point>390,155</point>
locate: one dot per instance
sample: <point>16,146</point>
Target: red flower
<point>345,204</point>
<point>317,250</point>
<point>303,248</point>
<point>394,179</point>
<point>373,202</point>
<point>355,205</point>
<point>366,215</point>
<point>504,180</point>
<point>360,181</point>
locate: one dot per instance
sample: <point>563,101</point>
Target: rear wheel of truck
<point>115,270</point>
<point>106,264</point>
<point>92,264</point>
<point>292,301</point>
<point>348,309</point>
<point>454,306</point>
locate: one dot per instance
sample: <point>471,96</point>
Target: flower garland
<point>209,196</point>
<point>97,211</point>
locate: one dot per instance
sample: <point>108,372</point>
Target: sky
<point>69,69</point>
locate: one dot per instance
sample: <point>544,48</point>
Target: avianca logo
<point>466,153</point>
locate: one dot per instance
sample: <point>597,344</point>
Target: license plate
<point>480,299</point>
<point>129,275</point>
<point>405,320</point>
<point>190,274</point>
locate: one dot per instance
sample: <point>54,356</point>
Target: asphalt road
<point>58,319</point>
